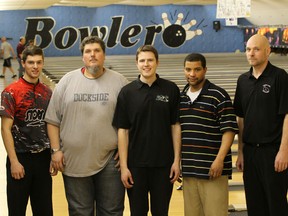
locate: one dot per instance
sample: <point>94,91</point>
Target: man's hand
<point>57,161</point>
<point>216,169</point>
<point>174,172</point>
<point>126,178</point>
<point>240,162</point>
<point>281,161</point>
<point>17,170</point>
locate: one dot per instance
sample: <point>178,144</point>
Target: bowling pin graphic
<point>190,24</point>
<point>165,20</point>
<point>179,19</point>
<point>191,34</point>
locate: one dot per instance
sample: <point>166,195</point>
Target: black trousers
<point>153,181</point>
<point>37,184</point>
<point>265,189</point>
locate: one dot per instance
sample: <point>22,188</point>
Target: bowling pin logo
<point>174,35</point>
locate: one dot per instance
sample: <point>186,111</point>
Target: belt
<point>262,144</point>
<point>38,150</point>
<point>254,144</point>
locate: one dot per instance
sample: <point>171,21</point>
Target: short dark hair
<point>196,57</point>
<point>91,40</point>
<point>147,48</point>
<point>32,50</point>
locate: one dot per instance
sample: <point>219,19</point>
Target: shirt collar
<point>140,83</point>
<point>265,72</point>
<point>204,88</point>
<point>21,79</point>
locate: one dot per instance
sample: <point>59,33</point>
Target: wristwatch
<point>53,150</point>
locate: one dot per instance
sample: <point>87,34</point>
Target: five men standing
<point>151,117</point>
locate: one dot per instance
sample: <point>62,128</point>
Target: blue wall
<point>124,28</point>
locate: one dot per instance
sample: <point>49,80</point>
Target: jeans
<point>103,190</point>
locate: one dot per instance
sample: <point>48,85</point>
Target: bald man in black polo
<point>261,104</point>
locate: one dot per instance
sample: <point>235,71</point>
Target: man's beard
<point>93,69</point>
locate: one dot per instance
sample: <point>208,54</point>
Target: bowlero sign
<point>174,35</point>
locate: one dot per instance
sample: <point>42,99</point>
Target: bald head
<point>260,40</point>
<point>258,51</point>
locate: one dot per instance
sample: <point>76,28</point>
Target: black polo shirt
<point>148,112</point>
<point>263,103</point>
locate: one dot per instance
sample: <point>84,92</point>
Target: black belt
<point>262,144</point>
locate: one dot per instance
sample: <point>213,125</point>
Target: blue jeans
<point>104,189</point>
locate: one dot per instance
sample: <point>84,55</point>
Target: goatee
<point>93,70</point>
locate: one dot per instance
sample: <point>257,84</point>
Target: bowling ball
<point>174,35</point>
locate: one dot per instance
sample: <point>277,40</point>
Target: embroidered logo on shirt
<point>266,88</point>
<point>34,117</point>
<point>163,98</point>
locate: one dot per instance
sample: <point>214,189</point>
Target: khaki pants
<point>205,197</point>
